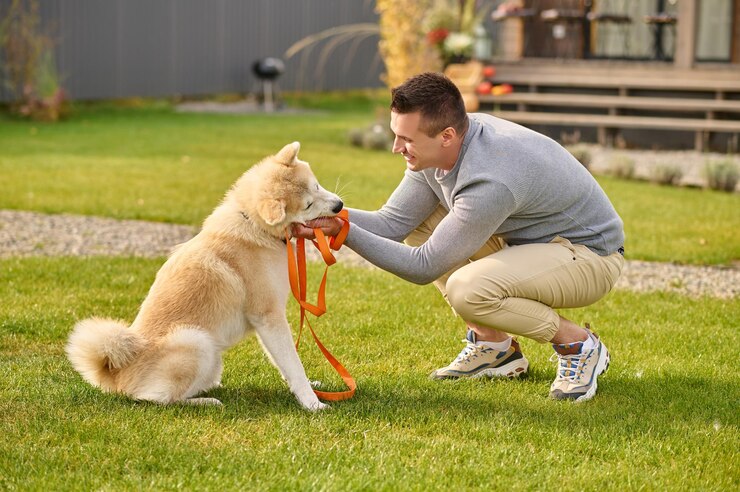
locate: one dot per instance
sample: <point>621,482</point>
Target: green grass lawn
<point>155,164</point>
<point>665,418</point>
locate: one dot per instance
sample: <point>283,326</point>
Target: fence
<point>157,48</point>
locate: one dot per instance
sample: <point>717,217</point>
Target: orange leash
<point>297,276</point>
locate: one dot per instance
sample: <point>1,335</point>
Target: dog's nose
<point>338,207</point>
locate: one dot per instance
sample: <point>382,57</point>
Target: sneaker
<point>476,361</point>
<point>577,373</point>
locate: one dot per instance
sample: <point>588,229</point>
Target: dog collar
<point>246,217</point>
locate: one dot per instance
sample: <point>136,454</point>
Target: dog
<point>229,281</point>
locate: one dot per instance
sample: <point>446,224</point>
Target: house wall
<point>156,48</point>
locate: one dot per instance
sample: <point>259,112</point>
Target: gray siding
<point>156,48</point>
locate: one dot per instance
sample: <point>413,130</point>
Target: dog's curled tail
<point>98,347</point>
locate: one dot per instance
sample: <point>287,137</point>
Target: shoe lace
<point>570,367</point>
<point>470,351</point>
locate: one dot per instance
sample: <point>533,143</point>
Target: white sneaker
<point>476,361</point>
<point>578,373</point>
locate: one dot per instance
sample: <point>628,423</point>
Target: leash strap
<point>297,276</point>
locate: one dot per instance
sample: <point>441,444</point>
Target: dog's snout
<point>338,207</point>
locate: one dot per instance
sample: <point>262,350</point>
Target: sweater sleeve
<point>408,206</point>
<point>476,213</point>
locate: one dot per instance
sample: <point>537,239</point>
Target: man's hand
<point>330,226</point>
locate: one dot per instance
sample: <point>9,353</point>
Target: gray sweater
<point>508,181</point>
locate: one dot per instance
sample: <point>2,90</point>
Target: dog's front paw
<point>316,406</point>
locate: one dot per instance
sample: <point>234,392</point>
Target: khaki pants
<point>515,289</point>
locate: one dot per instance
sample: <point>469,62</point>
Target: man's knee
<point>490,304</point>
<point>468,300</point>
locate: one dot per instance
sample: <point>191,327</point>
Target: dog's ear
<point>272,211</point>
<point>288,153</point>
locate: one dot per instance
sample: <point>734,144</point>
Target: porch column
<point>735,50</point>
<point>685,34</point>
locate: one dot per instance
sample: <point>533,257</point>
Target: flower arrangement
<point>450,27</point>
<point>458,44</point>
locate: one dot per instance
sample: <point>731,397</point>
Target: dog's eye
<point>308,206</point>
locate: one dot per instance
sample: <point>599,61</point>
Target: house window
<point>714,30</point>
<point>644,30</point>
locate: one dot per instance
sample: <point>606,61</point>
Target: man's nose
<point>398,146</point>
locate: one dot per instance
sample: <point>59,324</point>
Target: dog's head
<point>282,190</point>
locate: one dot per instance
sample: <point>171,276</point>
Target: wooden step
<point>625,102</point>
<point>619,121</point>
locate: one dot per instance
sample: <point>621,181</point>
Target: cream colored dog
<point>228,281</point>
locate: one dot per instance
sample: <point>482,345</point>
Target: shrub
<point>721,175</point>
<point>377,138</point>
<point>622,166</point>
<point>403,45</point>
<point>374,137</point>
<point>666,174</point>
<point>29,71</point>
<point>581,154</point>
<point>355,136</point>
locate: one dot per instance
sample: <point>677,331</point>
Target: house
<point>655,73</point>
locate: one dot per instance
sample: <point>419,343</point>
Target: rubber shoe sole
<point>515,369</point>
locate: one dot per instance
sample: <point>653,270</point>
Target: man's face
<point>418,149</point>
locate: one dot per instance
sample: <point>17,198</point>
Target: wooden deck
<point>616,102</point>
<point>613,96</point>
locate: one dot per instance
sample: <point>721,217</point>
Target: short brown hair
<point>435,97</point>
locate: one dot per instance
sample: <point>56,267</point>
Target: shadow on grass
<point>251,402</point>
<point>636,403</point>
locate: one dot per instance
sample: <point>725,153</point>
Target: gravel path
<point>34,234</point>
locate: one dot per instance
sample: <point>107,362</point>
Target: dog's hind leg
<point>185,364</point>
<point>275,337</point>
<point>216,383</point>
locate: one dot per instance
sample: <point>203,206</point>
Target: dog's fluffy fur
<point>228,281</point>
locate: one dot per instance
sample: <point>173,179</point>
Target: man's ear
<point>272,211</point>
<point>288,154</point>
<point>448,135</point>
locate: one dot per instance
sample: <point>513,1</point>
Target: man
<point>506,223</point>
